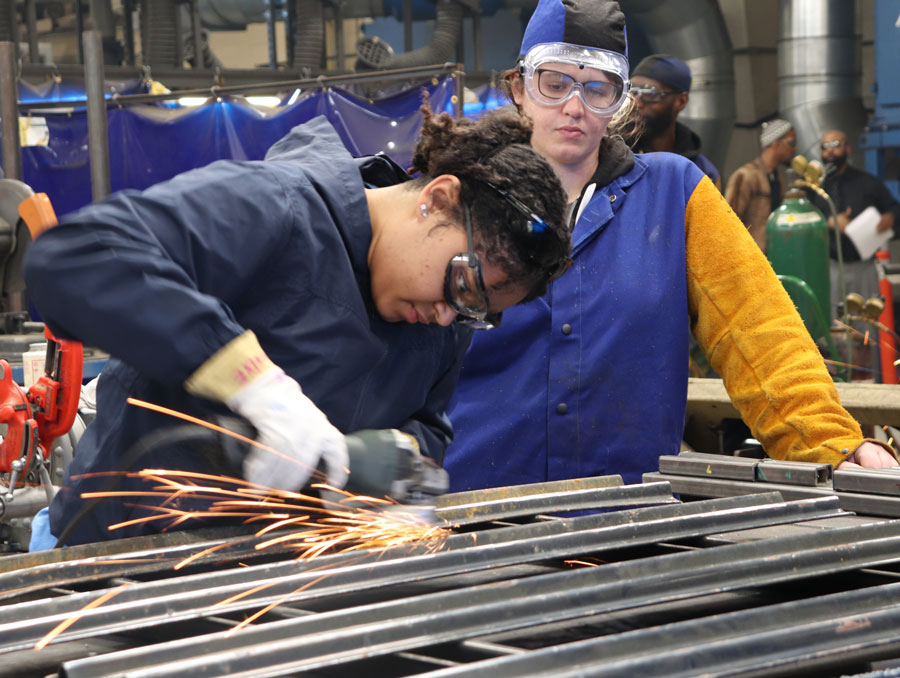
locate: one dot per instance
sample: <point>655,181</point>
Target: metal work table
<point>744,585</point>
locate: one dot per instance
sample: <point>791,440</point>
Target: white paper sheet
<point>861,230</point>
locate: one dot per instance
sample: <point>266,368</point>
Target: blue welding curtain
<point>150,143</point>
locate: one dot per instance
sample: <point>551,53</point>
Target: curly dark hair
<point>495,152</point>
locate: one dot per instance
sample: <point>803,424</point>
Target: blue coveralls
<point>162,279</point>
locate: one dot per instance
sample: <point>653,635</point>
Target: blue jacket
<point>164,278</point>
<point>560,389</point>
<point>592,378</point>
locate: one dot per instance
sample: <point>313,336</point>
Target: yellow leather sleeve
<point>229,369</point>
<point>755,339</point>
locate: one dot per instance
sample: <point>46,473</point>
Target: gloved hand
<point>241,375</point>
<point>289,422</point>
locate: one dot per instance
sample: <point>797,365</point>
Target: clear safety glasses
<point>549,86</point>
<point>464,288</point>
<point>650,95</point>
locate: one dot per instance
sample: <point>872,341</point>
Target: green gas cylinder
<point>797,246</point>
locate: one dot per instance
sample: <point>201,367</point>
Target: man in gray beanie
<point>755,190</point>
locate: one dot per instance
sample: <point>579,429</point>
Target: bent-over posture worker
<point>591,378</point>
<point>312,293</point>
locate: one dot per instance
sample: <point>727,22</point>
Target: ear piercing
<point>423,210</point>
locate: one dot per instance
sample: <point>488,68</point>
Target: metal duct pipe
<point>169,35</point>
<point>310,36</point>
<point>9,111</point>
<point>160,32</point>
<point>447,29</point>
<point>236,14</point>
<point>819,71</point>
<point>8,21</point>
<point>695,32</point>
<point>98,133</point>
<point>103,18</point>
<point>373,53</point>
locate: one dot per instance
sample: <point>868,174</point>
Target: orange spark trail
<point>220,429</point>
<point>46,640</point>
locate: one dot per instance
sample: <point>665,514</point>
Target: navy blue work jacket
<point>164,278</point>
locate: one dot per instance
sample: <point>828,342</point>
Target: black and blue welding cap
<point>583,33</point>
<point>594,24</point>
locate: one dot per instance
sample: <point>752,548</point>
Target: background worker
<point>852,190</point>
<point>231,287</point>
<point>591,379</point>
<point>661,85</point>
<point>754,190</point>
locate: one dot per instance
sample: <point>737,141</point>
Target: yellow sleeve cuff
<point>232,367</point>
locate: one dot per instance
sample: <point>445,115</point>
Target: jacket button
<point>612,198</point>
<point>562,408</point>
<point>567,329</point>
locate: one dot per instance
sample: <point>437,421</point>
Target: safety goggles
<point>650,95</point>
<point>550,87</point>
<point>464,288</point>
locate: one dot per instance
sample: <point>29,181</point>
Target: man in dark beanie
<point>661,84</point>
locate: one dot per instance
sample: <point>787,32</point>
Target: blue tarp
<point>149,143</point>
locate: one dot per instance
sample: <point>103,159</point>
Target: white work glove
<point>289,422</point>
<point>241,375</point>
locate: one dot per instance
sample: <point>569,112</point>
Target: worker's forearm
<point>754,338</point>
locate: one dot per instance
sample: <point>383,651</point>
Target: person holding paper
<point>853,191</point>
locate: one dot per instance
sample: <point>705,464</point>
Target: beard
<point>656,124</point>
<point>838,160</point>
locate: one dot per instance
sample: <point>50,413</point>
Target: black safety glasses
<point>464,288</point>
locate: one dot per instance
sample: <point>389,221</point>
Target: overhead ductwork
<point>159,33</point>
<point>162,22</point>
<point>695,32</point>
<point>226,15</point>
<point>819,71</point>
<point>374,53</point>
<point>8,21</point>
<point>309,39</point>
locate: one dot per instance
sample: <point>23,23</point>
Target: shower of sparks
<point>316,525</point>
<point>308,525</point>
<point>315,473</point>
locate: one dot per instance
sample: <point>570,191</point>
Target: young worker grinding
<point>312,293</point>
